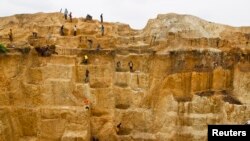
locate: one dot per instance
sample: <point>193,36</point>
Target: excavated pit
<point>186,78</point>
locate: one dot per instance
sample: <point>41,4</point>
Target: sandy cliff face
<point>187,73</point>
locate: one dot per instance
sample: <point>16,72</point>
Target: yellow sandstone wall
<point>42,98</point>
<point>192,75</point>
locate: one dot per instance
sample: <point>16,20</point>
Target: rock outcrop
<point>187,73</point>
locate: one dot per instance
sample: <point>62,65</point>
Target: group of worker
<point>130,64</point>
<point>75,28</point>
<point>118,67</point>
<point>85,60</point>
<point>62,33</point>
<point>66,15</point>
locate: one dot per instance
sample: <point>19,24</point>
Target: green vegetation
<point>3,49</point>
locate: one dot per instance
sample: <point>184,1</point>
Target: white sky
<point>137,12</point>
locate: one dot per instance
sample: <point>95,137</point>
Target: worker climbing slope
<point>86,103</point>
<point>34,32</point>
<point>86,76</point>
<point>62,30</point>
<point>130,64</point>
<point>118,66</point>
<point>85,59</point>
<point>11,36</point>
<point>75,30</point>
<point>102,30</point>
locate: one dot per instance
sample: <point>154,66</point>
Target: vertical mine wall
<point>167,96</point>
<point>40,100</point>
<point>11,68</point>
<point>191,89</point>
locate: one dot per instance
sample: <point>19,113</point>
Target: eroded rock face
<point>187,73</point>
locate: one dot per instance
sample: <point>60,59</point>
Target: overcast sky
<point>137,12</point>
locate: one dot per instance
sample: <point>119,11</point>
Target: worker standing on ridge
<point>10,35</point>
<point>70,16</point>
<point>86,76</point>
<point>66,14</point>
<point>102,30</point>
<point>75,30</point>
<point>130,64</point>
<point>101,17</point>
<point>62,30</point>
